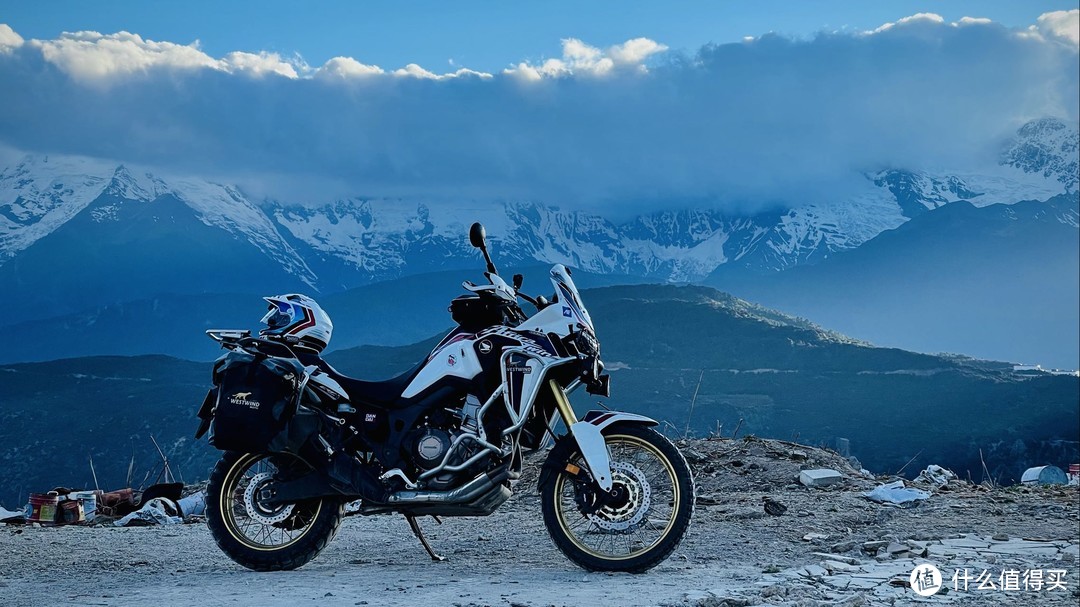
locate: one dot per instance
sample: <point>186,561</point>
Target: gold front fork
<point>562,404</point>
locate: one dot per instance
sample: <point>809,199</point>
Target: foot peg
<point>415,526</point>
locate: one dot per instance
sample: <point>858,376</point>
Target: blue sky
<point>606,104</point>
<point>485,36</point>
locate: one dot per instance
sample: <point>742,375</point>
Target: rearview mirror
<point>477,236</point>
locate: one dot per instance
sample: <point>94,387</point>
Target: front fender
<point>603,419</point>
<point>587,436</point>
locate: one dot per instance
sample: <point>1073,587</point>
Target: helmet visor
<point>278,315</point>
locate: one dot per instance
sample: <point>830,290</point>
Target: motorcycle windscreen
<point>569,298</point>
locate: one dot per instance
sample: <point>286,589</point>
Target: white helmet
<point>299,317</point>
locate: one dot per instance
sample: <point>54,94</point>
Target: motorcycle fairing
<point>454,357</point>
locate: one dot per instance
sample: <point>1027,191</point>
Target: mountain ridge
<point>355,241</point>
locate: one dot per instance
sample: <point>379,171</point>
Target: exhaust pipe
<point>463,494</point>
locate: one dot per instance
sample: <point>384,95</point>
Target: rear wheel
<point>258,535</point>
<point>635,526</point>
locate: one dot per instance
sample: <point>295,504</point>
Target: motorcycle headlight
<point>586,343</point>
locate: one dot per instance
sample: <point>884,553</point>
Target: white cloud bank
<point>764,119</point>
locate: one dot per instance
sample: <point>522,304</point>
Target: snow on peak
<point>1048,147</point>
<point>40,194</point>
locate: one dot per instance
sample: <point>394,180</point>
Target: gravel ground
<point>831,547</point>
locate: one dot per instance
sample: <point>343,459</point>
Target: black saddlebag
<point>256,402</point>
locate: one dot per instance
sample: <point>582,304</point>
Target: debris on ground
<point>831,546</point>
<point>1044,475</point>
<point>820,478</point>
<point>936,476</point>
<point>157,511</point>
<point>896,494</point>
<point>63,506</point>
<point>773,507</point>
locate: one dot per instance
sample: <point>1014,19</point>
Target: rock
<point>835,566</point>
<point>897,548</point>
<point>874,546</point>
<point>1001,537</point>
<point>836,557</point>
<point>822,477</point>
<point>712,599</point>
<point>814,571</point>
<point>773,507</point>
<point>842,547</point>
<point>771,591</point>
<point>810,537</point>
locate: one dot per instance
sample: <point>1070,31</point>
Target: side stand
<point>415,526</point>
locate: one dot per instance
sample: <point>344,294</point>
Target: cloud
<point>912,21</point>
<point>1064,25</point>
<point>581,59</point>
<point>90,56</point>
<point>258,64</point>
<point>754,122</point>
<point>9,40</point>
<point>347,67</point>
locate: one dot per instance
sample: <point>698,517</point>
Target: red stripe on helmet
<point>309,321</point>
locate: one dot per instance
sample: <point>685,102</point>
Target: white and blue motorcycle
<point>446,438</point>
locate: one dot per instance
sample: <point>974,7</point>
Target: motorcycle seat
<point>384,394</point>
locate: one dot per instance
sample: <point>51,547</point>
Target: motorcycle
<point>446,438</point>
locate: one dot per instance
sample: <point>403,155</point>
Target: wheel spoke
<point>643,515</point>
<point>257,524</point>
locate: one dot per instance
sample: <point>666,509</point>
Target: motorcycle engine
<point>430,443</point>
<point>430,447</point>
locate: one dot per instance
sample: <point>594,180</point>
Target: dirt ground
<point>830,547</point>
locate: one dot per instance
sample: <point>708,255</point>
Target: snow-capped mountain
<point>94,218</point>
<point>1046,147</point>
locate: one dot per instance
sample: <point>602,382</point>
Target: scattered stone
<point>874,546</point>
<point>897,548</point>
<point>814,571</point>
<point>836,557</point>
<point>842,547</point>
<point>810,537</point>
<point>822,477</point>
<point>835,566</point>
<point>771,591</point>
<point>773,507</point>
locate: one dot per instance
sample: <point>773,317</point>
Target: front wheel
<point>640,522</point>
<point>258,535</point>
